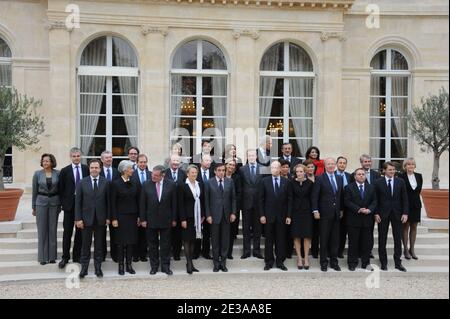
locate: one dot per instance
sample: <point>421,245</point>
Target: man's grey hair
<point>106,152</point>
<point>263,139</point>
<point>363,157</point>
<point>124,166</point>
<point>74,150</point>
<point>159,168</point>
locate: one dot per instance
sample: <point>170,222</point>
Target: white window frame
<point>8,61</point>
<point>199,73</point>
<point>109,72</point>
<point>388,74</point>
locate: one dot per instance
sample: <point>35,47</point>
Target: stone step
<point>31,254</point>
<point>28,243</point>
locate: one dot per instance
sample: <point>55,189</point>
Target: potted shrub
<point>429,125</point>
<point>20,126</point>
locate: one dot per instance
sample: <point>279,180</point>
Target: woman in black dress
<point>231,172</point>
<point>192,214</point>
<point>413,183</point>
<point>124,215</point>
<point>302,218</point>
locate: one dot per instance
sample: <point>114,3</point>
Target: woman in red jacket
<point>313,153</point>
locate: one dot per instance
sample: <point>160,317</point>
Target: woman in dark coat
<point>231,166</point>
<point>302,218</point>
<point>124,215</point>
<point>192,214</point>
<point>414,184</point>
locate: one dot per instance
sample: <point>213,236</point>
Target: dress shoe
<point>153,271</point>
<point>401,268</point>
<point>176,258</point>
<point>413,255</point>
<point>76,260</point>
<point>195,269</point>
<point>315,256</point>
<point>224,268</point>
<point>121,269</point>
<point>324,268</point>
<point>129,269</point>
<point>384,267</point>
<point>341,256</point>
<point>306,267</point>
<point>83,272</point>
<point>406,254</point>
<point>62,263</point>
<point>364,266</point>
<point>99,273</point>
<point>288,256</point>
<point>372,256</point>
<point>351,268</point>
<point>245,256</point>
<point>336,267</point>
<point>52,262</point>
<point>189,269</point>
<point>258,255</point>
<point>300,267</point>
<point>195,256</point>
<point>267,267</point>
<point>135,259</point>
<point>230,257</point>
<point>43,263</point>
<point>207,256</point>
<point>282,267</point>
<point>143,259</point>
<point>216,269</point>
<point>168,272</point>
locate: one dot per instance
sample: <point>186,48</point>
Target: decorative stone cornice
<point>254,34</point>
<point>58,24</point>
<point>325,35</point>
<point>146,29</point>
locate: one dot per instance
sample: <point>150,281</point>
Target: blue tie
<point>108,174</point>
<point>142,178</point>
<point>333,183</point>
<point>253,172</point>
<point>205,178</point>
<point>361,191</point>
<point>344,179</point>
<point>277,187</point>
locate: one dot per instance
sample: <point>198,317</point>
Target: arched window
<point>108,97</point>
<point>6,81</point>
<point>389,104</point>
<point>286,96</point>
<point>199,95</point>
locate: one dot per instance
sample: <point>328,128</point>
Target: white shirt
<point>74,170</point>
<point>92,180</point>
<point>287,158</point>
<point>412,180</point>
<point>204,171</point>
<point>105,171</point>
<point>359,185</point>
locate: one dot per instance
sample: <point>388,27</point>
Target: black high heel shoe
<point>413,255</point>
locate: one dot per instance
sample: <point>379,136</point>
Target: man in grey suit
<point>220,211</point>
<point>92,215</point>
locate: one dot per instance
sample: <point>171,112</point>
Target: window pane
<point>399,127</point>
<point>273,59</point>
<point>213,57</point>
<point>378,85</point>
<point>5,74</point>
<point>300,128</point>
<point>214,107</point>
<point>377,148</point>
<point>127,103</point>
<point>125,84</point>
<point>270,86</point>
<point>120,145</point>
<point>301,87</point>
<point>121,125</point>
<point>377,106</point>
<point>186,56</point>
<point>95,53</point>
<point>5,51</point>
<point>98,145</point>
<point>275,126</point>
<point>186,143</point>
<point>184,106</point>
<point>184,85</point>
<point>398,61</point>
<point>92,84</point>
<point>89,104</point>
<point>377,165</point>
<point>379,61</point>
<point>92,125</point>
<point>213,123</point>
<point>299,60</point>
<point>123,55</point>
<point>399,86</point>
<point>299,146</point>
<point>377,127</point>
<point>214,85</point>
<point>186,124</point>
<point>300,108</point>
<point>399,148</point>
<point>274,106</point>
<point>399,106</point>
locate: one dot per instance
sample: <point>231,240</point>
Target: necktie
<point>390,186</point>
<point>77,175</point>
<point>221,186</point>
<point>361,191</point>
<point>108,174</point>
<point>174,176</point>
<point>158,190</point>
<point>277,187</point>
<point>142,178</point>
<point>344,179</point>
<point>253,172</point>
<point>368,176</point>
<point>205,178</point>
<point>95,185</point>
<point>333,183</point>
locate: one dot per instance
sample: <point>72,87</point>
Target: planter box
<point>436,203</point>
<point>9,201</point>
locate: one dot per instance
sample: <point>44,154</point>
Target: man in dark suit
<point>69,177</point>
<point>111,174</point>
<point>91,216</point>
<point>206,150</point>
<point>275,211</point>
<point>264,151</point>
<point>205,172</point>
<point>361,203</point>
<point>286,149</point>
<point>392,208</point>
<point>158,213</point>
<point>251,177</point>
<point>220,211</point>
<point>371,177</point>
<point>347,178</point>
<point>140,175</point>
<point>178,176</point>
<point>327,205</point>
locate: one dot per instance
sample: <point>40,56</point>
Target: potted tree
<point>20,126</point>
<point>429,125</point>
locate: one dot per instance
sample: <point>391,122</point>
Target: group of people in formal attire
<point>309,208</point>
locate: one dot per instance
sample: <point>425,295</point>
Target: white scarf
<point>197,208</point>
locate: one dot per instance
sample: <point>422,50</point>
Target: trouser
<point>176,240</point>
<point>141,248</point>
<point>275,235</point>
<point>220,239</point>
<point>316,238</point>
<point>125,253</point>
<point>159,245</point>
<point>112,246</point>
<point>206,239</point>
<point>47,224</point>
<point>383,229</point>
<point>342,234</point>
<point>69,224</point>
<point>251,224</point>
<point>329,240</point>
<point>99,234</point>
<point>358,244</point>
<point>234,230</point>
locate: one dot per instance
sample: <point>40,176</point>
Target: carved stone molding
<point>58,24</point>
<point>325,35</point>
<point>146,29</point>
<point>254,34</point>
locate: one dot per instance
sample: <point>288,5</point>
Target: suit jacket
<point>374,176</point>
<point>348,176</point>
<point>275,208</point>
<point>200,177</point>
<point>90,204</point>
<point>181,176</point>
<point>40,187</point>
<point>66,186</point>
<point>218,204</point>
<point>301,197</point>
<point>114,171</point>
<point>136,178</point>
<point>124,198</point>
<point>353,202</point>
<point>264,161</point>
<point>158,214</point>
<point>396,203</point>
<point>294,161</point>
<point>186,202</point>
<point>197,159</point>
<point>414,201</point>
<point>323,198</point>
<point>250,187</point>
